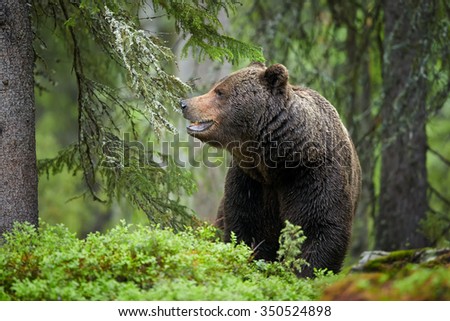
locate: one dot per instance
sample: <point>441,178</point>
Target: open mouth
<point>200,126</point>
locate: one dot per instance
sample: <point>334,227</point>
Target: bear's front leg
<point>249,210</point>
<point>326,241</point>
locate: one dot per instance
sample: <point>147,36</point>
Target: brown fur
<point>292,160</point>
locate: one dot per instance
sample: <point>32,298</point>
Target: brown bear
<point>292,160</point>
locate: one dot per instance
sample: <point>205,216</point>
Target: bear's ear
<point>277,76</point>
<point>257,64</point>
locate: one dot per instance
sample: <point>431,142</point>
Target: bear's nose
<point>183,104</point>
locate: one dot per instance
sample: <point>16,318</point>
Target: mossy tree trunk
<point>18,173</point>
<point>403,198</point>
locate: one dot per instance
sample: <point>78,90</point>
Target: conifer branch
<point>439,155</point>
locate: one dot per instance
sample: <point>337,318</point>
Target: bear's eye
<point>219,92</point>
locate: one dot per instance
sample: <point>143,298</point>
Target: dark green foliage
<point>291,240</point>
<point>150,186</point>
<point>141,263</point>
<point>199,20</point>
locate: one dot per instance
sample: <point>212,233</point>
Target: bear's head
<point>230,111</point>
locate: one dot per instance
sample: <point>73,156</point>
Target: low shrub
<point>134,262</point>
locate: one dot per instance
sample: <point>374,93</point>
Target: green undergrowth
<point>411,283</point>
<point>133,262</point>
<point>401,275</point>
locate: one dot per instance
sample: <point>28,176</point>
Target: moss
<point>393,262</point>
<point>414,283</point>
<point>443,259</point>
<point>398,276</point>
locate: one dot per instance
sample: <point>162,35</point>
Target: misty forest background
<point>384,66</point>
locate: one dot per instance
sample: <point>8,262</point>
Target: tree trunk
<point>18,173</point>
<point>403,199</point>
